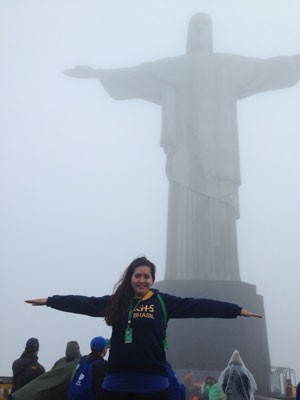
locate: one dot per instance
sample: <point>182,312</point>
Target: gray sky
<point>83,188</point>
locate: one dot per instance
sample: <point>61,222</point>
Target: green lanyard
<point>128,330</point>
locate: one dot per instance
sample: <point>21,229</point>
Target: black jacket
<point>99,371</point>
<point>25,369</point>
<point>146,352</point>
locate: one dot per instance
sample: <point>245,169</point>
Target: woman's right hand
<point>81,71</point>
<point>37,302</point>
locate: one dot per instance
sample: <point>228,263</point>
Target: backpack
<point>81,386</point>
<point>177,389</point>
<point>166,346</point>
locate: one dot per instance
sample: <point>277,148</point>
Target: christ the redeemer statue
<point>198,94</point>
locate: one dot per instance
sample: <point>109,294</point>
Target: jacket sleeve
<point>92,306</point>
<point>179,307</point>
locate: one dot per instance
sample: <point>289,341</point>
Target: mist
<point>83,185</point>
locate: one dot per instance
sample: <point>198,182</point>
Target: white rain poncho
<point>236,380</point>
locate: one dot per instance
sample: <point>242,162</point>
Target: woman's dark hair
<point>123,292</point>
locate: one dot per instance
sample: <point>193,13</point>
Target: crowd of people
<point>76,377</point>
<point>72,377</point>
<point>137,314</point>
<point>65,378</point>
<point>235,382</point>
<point>137,367</point>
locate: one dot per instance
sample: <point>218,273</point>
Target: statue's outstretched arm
<point>82,72</point>
<point>138,82</point>
<point>257,75</point>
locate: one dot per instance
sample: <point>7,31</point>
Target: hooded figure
<point>236,380</point>
<point>55,383</point>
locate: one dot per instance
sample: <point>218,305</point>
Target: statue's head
<point>199,37</point>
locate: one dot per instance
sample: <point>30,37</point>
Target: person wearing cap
<point>26,368</point>
<point>137,357</point>
<point>98,351</point>
<point>98,369</point>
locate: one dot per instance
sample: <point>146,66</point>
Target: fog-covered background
<point>83,188</point>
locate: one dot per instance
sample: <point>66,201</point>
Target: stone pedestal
<point>207,344</point>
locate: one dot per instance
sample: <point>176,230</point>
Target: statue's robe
<point>198,96</point>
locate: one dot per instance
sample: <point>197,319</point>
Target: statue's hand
<point>81,71</point>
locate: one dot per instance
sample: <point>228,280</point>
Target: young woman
<point>137,361</point>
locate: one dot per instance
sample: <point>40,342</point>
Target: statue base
<point>207,344</point>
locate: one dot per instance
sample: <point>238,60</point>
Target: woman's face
<point>141,281</point>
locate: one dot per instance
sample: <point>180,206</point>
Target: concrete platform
<point>207,344</point>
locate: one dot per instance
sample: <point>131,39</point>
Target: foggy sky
<point>83,186</point>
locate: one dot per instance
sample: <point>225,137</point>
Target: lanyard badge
<point>128,335</point>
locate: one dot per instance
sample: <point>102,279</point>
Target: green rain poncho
<point>216,393</point>
<point>55,383</point>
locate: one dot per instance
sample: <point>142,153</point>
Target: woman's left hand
<point>246,313</point>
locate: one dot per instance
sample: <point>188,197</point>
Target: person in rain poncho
<point>236,380</point>
<point>215,391</point>
<point>54,384</point>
